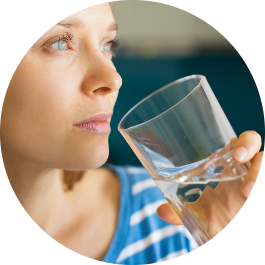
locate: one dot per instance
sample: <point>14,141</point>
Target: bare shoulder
<point>104,182</point>
<point>96,199</point>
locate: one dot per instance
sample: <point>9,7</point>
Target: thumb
<point>167,213</point>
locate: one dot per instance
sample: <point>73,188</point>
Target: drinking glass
<point>184,140</point>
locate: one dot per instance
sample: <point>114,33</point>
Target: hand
<point>247,148</point>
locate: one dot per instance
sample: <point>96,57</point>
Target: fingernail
<point>247,188</point>
<point>240,153</point>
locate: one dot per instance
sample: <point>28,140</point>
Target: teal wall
<point>227,75</point>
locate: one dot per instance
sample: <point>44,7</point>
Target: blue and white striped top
<point>141,237</point>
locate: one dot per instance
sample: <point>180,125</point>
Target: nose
<point>101,77</point>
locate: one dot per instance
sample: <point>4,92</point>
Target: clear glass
<point>184,140</point>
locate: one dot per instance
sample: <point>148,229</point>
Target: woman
<point>54,135</point>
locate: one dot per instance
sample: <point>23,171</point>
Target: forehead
<point>96,16</point>
<point>91,21</point>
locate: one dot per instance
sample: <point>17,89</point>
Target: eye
<point>106,47</point>
<point>59,45</point>
<point>109,46</point>
<point>61,42</point>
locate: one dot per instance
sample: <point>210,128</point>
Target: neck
<point>70,217</point>
<point>41,192</point>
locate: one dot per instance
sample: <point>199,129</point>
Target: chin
<point>87,158</point>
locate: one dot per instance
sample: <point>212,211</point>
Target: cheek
<point>36,107</point>
<point>44,93</point>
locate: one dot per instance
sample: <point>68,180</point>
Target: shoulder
<point>135,173</point>
<point>136,177</point>
<point>145,232</point>
<point>140,185</point>
<point>140,191</point>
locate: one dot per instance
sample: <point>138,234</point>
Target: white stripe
<point>173,255</point>
<point>152,238</point>
<point>136,170</point>
<point>142,185</point>
<point>146,211</point>
<point>193,243</point>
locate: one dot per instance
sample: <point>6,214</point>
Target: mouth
<point>98,123</point>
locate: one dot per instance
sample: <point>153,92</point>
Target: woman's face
<point>58,105</point>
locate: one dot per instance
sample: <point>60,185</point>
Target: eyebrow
<point>71,23</point>
<point>80,24</point>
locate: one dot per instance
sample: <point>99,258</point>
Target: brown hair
<point>71,177</point>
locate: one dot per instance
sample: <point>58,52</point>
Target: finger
<point>166,212</point>
<point>248,144</point>
<point>251,176</point>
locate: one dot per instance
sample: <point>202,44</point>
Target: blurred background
<point>159,44</point>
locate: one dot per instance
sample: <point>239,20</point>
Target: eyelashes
<point>66,36</point>
<point>114,43</point>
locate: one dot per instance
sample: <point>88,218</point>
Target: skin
<point>50,91</point>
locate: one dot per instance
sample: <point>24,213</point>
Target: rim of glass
<point>180,80</point>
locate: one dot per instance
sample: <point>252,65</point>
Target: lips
<point>97,123</point>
